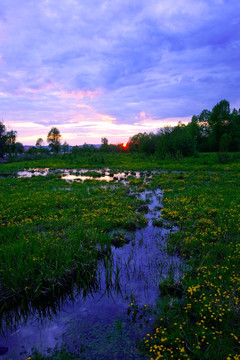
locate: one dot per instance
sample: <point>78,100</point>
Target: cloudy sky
<point>114,68</point>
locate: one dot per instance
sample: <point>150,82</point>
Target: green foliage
<point>176,142</point>
<point>57,230</point>
<point>223,158</point>
<point>63,354</point>
<point>219,129</point>
<point>198,317</point>
<point>65,147</point>
<point>225,142</point>
<point>2,138</point>
<point>9,141</point>
<point>54,139</point>
<point>214,130</point>
<point>169,287</point>
<point>158,222</point>
<point>39,143</point>
<point>62,230</point>
<point>106,148</point>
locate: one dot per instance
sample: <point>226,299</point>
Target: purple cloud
<point>69,62</point>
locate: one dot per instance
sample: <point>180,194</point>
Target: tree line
<point>210,131</point>
<point>9,146</point>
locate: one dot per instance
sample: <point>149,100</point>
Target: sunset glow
<point>105,74</point>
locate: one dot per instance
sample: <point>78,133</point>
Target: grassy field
<point>201,319</point>
<point>46,222</point>
<point>127,161</point>
<point>52,231</point>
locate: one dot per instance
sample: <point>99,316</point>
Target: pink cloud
<point>46,86</point>
<point>81,94</point>
<point>84,106</point>
<point>143,114</point>
<point>24,91</point>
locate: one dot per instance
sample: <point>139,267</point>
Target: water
<point>80,175</point>
<point>107,323</point>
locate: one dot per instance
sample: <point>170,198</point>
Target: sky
<point>114,68</point>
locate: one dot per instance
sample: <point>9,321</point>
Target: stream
<point>109,321</point>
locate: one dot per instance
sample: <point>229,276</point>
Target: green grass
<point>56,355</point>
<point>47,224</point>
<point>205,322</point>
<point>52,231</point>
<point>126,161</point>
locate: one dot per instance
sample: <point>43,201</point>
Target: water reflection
<point>33,172</point>
<point>83,174</point>
<point>96,321</point>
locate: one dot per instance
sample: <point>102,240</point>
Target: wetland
<point>126,264</point>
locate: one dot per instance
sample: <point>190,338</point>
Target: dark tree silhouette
<point>54,139</point>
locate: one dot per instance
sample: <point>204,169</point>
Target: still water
<point>83,174</point>
<point>107,322</point>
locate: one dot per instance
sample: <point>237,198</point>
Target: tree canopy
<point>8,143</point>
<point>54,139</point>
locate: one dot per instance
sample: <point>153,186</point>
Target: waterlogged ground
<point>205,324</point>
<point>106,321</point>
<point>197,317</point>
<point>83,174</point>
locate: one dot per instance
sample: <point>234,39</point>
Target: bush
<point>223,158</point>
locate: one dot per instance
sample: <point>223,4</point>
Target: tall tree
<point>219,122</point>
<point>234,130</point>
<point>65,147</point>
<point>10,142</point>
<point>2,138</point>
<point>19,148</point>
<point>54,139</point>
<point>200,130</point>
<point>104,146</point>
<point>39,143</point>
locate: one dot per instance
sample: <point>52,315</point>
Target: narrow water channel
<point>107,323</point>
